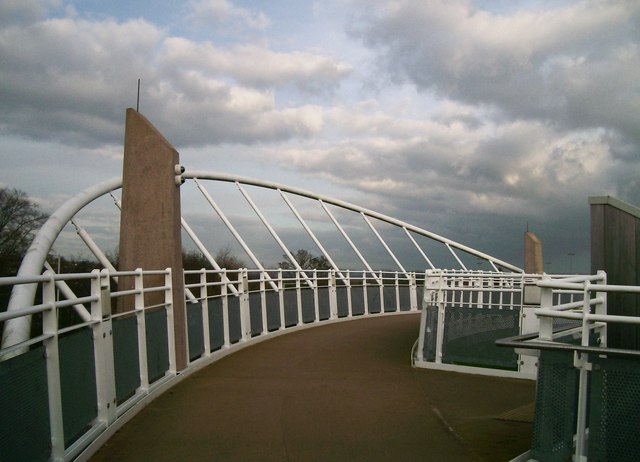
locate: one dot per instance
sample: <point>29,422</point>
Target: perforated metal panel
<point>24,420</point>
<point>556,403</point>
<point>615,410</point>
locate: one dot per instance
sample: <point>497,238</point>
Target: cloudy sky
<point>468,118</point>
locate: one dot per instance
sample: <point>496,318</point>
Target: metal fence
<point>588,395</point>
<point>95,359</point>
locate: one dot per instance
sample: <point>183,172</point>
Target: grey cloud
<point>573,65</point>
<point>70,80</point>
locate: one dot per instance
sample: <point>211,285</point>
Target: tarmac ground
<point>339,392</point>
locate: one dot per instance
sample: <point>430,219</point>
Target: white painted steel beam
<point>17,330</point>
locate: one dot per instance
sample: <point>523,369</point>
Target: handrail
<point>324,303</point>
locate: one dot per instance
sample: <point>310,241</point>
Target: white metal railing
<point>16,330</point>
<point>584,340</point>
<point>462,304</point>
<point>478,302</point>
<point>263,304</point>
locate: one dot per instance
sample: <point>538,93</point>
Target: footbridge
<point>409,361</point>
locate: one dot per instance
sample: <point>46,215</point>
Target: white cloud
<point>216,12</point>
<point>69,79</point>
<point>253,65</point>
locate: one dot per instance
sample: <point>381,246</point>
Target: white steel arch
<point>17,330</point>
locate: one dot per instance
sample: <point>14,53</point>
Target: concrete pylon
<point>533,263</point>
<point>150,232</point>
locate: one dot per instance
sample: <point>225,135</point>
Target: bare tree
<point>20,218</point>
<point>306,260</point>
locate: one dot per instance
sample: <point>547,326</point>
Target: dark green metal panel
<point>24,408</point>
<point>216,327</point>
<point>157,344</point>
<point>373,298</point>
<point>290,308</point>
<point>324,310</point>
<point>78,383</point>
<point>273,311</point>
<point>196,335</point>
<point>308,305</point>
<point>357,300</point>
<point>125,357</point>
<point>235,327</point>
<point>343,301</point>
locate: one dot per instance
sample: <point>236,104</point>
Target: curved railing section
<point>83,376</point>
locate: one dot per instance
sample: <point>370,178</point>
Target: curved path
<point>339,392</point>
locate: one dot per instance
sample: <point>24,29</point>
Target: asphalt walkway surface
<point>338,392</point>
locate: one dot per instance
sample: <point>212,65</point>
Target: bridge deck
<point>339,392</point>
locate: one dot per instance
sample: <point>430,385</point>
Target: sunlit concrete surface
<point>339,392</point>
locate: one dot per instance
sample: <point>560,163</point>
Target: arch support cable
<point>312,236</point>
<point>235,234</point>
<point>348,239</point>
<point>418,247</point>
<point>273,233</point>
<point>384,244</point>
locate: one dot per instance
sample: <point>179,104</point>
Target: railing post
<point>601,309</point>
<point>103,346</point>
<point>430,297</point>
<point>381,289</point>
<point>546,302</point>
<point>413,292</point>
<point>316,302</point>
<point>171,337</point>
<point>333,295</point>
<point>299,298</point>
<point>397,291</point>
<point>204,303</point>
<point>365,299</point>
<point>225,308</point>
<point>142,329</point>
<point>281,298</point>
<point>349,304</point>
<point>263,302</point>
<point>581,361</point>
<point>441,304</point>
<point>245,316</point>
<point>52,355</point>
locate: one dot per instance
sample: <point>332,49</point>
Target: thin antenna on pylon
<point>138,98</point>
